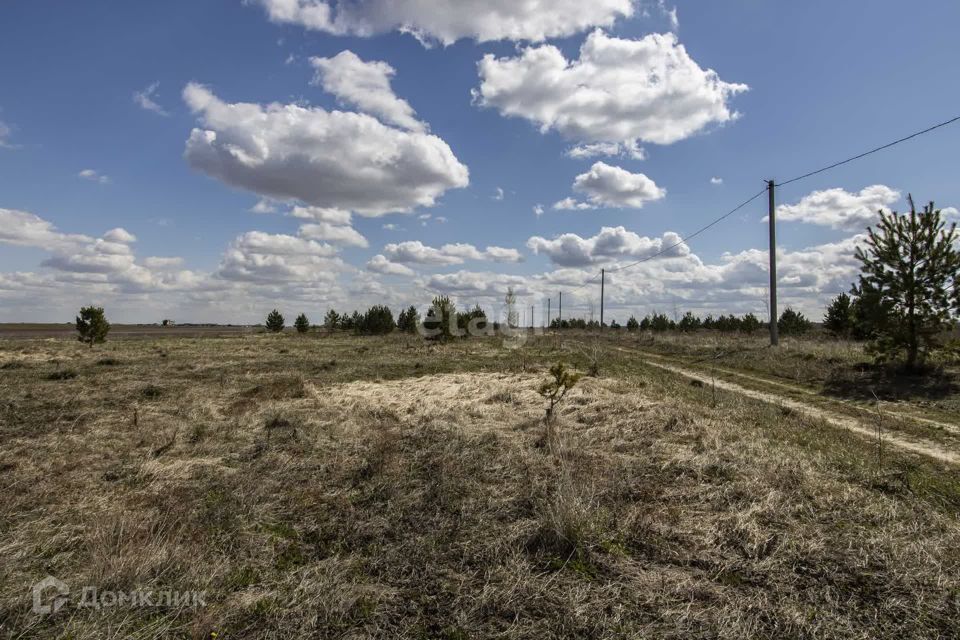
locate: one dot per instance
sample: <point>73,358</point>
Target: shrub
<point>632,324</point>
<point>408,320</point>
<point>92,325</point>
<point>331,321</point>
<point>302,324</point>
<point>689,322</point>
<point>275,322</point>
<point>660,322</point>
<point>440,319</point>
<point>750,323</point>
<point>792,323</point>
<point>472,321</point>
<point>839,317</point>
<point>378,320</point>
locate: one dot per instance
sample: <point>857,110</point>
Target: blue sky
<point>826,80</point>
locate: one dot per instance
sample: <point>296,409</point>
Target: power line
<point>872,151</point>
<point>689,237</point>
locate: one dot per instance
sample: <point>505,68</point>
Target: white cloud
<point>716,181</point>
<point>380,264</point>
<point>322,214</point>
<point>336,160</point>
<point>94,176</point>
<point>264,205</point>
<point>28,230</point>
<point>157,262</point>
<point>366,86</point>
<point>265,258</point>
<point>119,235</point>
<point>390,227</point>
<point>569,204</point>
<point>415,252</point>
<point>500,254</point>
<point>612,243</point>
<point>471,284</point>
<point>629,149</point>
<point>5,132</point>
<point>619,91</point>
<point>608,186</point>
<point>344,235</point>
<point>840,209</point>
<point>538,210</point>
<point>145,99</point>
<point>498,194</point>
<point>447,21</point>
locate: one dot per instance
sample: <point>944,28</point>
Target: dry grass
<point>411,491</point>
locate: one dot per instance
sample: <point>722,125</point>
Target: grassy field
<point>348,487</point>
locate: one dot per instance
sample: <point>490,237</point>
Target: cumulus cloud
<point>264,205</point>
<point>119,235</point>
<point>570,204</point>
<point>415,252</point>
<point>612,243</point>
<point>261,257</point>
<point>629,149</point>
<point>322,214</point>
<point>716,181</point>
<point>29,230</point>
<point>94,176</point>
<point>344,235</point>
<point>608,186</point>
<point>447,21</point>
<point>158,262</point>
<point>380,264</point>
<point>619,91</point>
<point>366,86</point>
<point>840,209</point>
<point>145,99</point>
<point>333,160</point>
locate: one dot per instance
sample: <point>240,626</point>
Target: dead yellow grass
<point>342,501</point>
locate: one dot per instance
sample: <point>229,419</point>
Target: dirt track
<point>900,441</point>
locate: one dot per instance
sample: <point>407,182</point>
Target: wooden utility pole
<point>532,318</point>
<point>774,332</point>
<point>560,315</point>
<point>548,312</point>
<point>603,277</point>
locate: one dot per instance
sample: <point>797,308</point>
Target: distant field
<point>348,487</point>
<point>39,330</point>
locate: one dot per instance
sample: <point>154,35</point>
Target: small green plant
<point>555,389</point>
<point>302,324</point>
<point>92,326</point>
<point>275,322</point>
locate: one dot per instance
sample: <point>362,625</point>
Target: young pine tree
<point>331,321</point>
<point>302,324</point>
<point>839,317</point>
<point>792,323</point>
<point>92,325</point>
<point>908,282</point>
<point>275,322</point>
